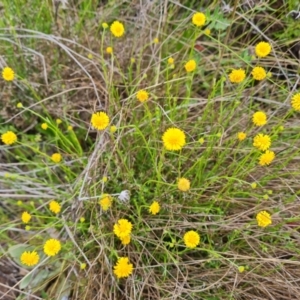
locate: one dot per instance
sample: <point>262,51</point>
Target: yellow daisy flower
<point>123,268</point>
<point>191,239</point>
<point>29,258</point>
<point>105,202</point>
<point>263,49</point>
<point>198,19</point>
<point>100,120</point>
<point>241,135</point>
<point>173,139</point>
<point>52,247</point>
<point>117,29</point>
<point>56,157</point>
<point>125,240</point>
<point>44,126</point>
<point>237,76</point>
<point>154,208</point>
<point>266,158</point>
<point>122,228</point>
<point>142,95</point>
<point>9,138</point>
<point>183,184</point>
<point>296,102</point>
<point>263,219</point>
<point>259,73</point>
<point>259,118</point>
<point>26,217</point>
<point>8,74</point>
<point>190,66</point>
<point>55,207</point>
<point>109,50</point>
<point>262,141</point>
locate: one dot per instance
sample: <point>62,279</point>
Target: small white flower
<point>124,196</point>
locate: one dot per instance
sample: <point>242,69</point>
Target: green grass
<point>63,72</point>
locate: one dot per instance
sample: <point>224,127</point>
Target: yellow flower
<point>90,56</point>
<point>58,121</point>
<point>29,258</point>
<point>19,105</point>
<point>241,136</point>
<point>154,208</point>
<point>54,206</point>
<point>123,268</point>
<point>262,49</point>
<point>142,95</point>
<point>104,25</point>
<point>8,74</point>
<point>262,141</point>
<point>201,141</point>
<point>190,66</point>
<point>254,185</point>
<point>27,227</point>
<point>82,266</point>
<point>8,138</point>
<point>296,102</point>
<point>263,219</point>
<point>122,228</point>
<point>170,60</point>
<point>198,19</point>
<point>259,73</point>
<point>191,239</point>
<point>125,240</point>
<point>207,31</point>
<point>259,118</point>
<point>26,217</point>
<point>44,126</point>
<point>70,128</point>
<point>104,179</point>
<point>19,202</point>
<point>105,202</point>
<point>241,269</point>
<point>132,60</point>
<point>56,157</point>
<point>100,120</point>
<point>113,129</point>
<point>237,76</point>
<point>266,158</point>
<point>117,29</point>
<point>173,139</point>
<point>183,184</point>
<point>52,247</point>
<point>156,41</point>
<point>109,50</point>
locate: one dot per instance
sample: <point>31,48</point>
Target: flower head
<point>156,41</point>
<point>173,139</point>
<point>296,102</point>
<point>263,219</point>
<point>170,60</point>
<point>100,120</point>
<point>56,157</point>
<point>198,19</point>
<point>19,105</point>
<point>191,239</point>
<point>263,49</point>
<point>109,50</point>
<point>259,73</point>
<point>104,25</point>
<point>183,184</point>
<point>262,142</point>
<point>113,128</point>
<point>52,247</point>
<point>266,158</point>
<point>154,208</point>
<point>105,202</point>
<point>237,76</point>
<point>44,126</point>
<point>259,118</point>
<point>142,95</point>
<point>26,217</point>
<point>122,228</point>
<point>124,196</point>
<point>29,258</point>
<point>55,207</point>
<point>70,128</point>
<point>117,29</point>
<point>207,31</point>
<point>58,121</point>
<point>123,268</point>
<point>190,66</point>
<point>8,74</point>
<point>9,138</point>
<point>125,240</point>
<point>241,136</point>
